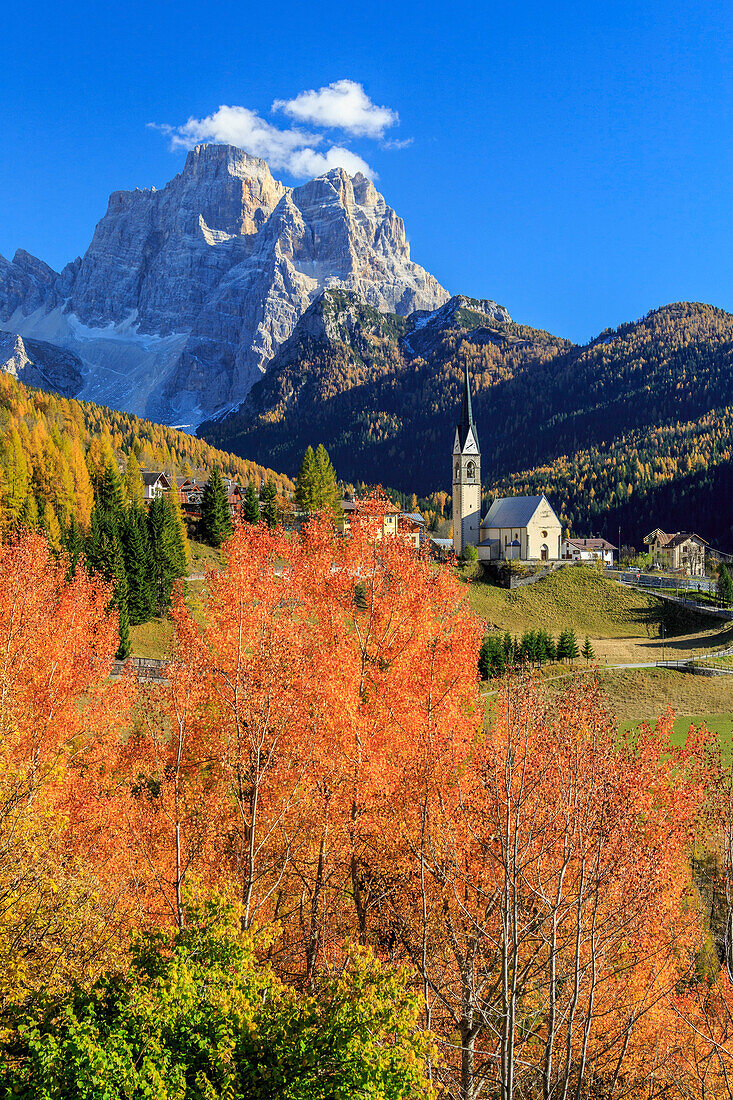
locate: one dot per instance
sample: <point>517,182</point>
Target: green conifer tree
<point>251,505</point>
<point>587,650</point>
<point>104,552</point>
<point>216,522</point>
<point>120,600</point>
<point>138,566</point>
<point>167,552</point>
<point>724,586</point>
<point>305,487</point>
<point>572,645</point>
<point>73,543</point>
<point>109,493</point>
<point>484,658</point>
<point>104,556</point>
<point>549,645</point>
<point>269,504</point>
<point>491,661</point>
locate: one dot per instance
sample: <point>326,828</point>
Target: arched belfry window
<point>458,470</point>
<point>471,470</point>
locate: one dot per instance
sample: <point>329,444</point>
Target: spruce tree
<point>104,556</point>
<point>305,487</point>
<point>108,492</point>
<point>587,650</point>
<point>138,567</point>
<point>73,543</point>
<point>167,552</point>
<point>572,645</point>
<point>251,506</point>
<point>549,645</point>
<point>491,660</point>
<point>484,658</point>
<point>119,599</point>
<point>216,522</point>
<point>561,650</point>
<point>724,586</point>
<point>269,504</point>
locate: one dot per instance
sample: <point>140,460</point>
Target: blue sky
<point>572,160</point>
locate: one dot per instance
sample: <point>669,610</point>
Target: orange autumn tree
<point>545,900</point>
<point>57,642</point>
<point>319,757</point>
<point>323,663</point>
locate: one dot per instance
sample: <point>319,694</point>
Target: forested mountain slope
<point>51,447</point>
<point>602,428</point>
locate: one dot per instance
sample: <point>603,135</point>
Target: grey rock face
<point>185,294</point>
<point>25,283</point>
<point>36,363</point>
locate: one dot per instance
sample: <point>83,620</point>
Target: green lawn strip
<point>720,725</point>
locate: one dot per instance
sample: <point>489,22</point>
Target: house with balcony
<point>682,552</point>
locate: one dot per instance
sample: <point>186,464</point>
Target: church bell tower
<point>466,477</point>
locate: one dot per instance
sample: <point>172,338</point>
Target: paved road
<point>691,605</point>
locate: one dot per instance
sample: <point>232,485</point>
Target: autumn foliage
<point>319,758</point>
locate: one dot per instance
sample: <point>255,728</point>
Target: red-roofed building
<point>587,550</point>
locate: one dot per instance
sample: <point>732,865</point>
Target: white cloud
<point>244,128</point>
<point>343,105</point>
<point>290,150</point>
<point>307,163</point>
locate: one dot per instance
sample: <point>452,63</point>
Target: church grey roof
<point>466,424</point>
<point>512,511</point>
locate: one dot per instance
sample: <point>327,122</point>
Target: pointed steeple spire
<point>466,424</point>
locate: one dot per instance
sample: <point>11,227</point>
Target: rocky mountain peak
<point>208,157</point>
<point>36,363</point>
<point>185,293</point>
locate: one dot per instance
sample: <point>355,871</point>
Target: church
<point>514,528</point>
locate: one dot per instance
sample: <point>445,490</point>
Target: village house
<point>190,490</point>
<point>155,483</point>
<point>683,552</point>
<point>515,528</point>
<point>584,550</point>
<point>410,525</point>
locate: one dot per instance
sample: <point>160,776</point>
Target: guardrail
<point>145,668</point>
<point>649,580</point>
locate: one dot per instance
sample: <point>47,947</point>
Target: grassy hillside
<point>602,428</point>
<point>643,694</point>
<point>624,626</point>
<point>622,623</point>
